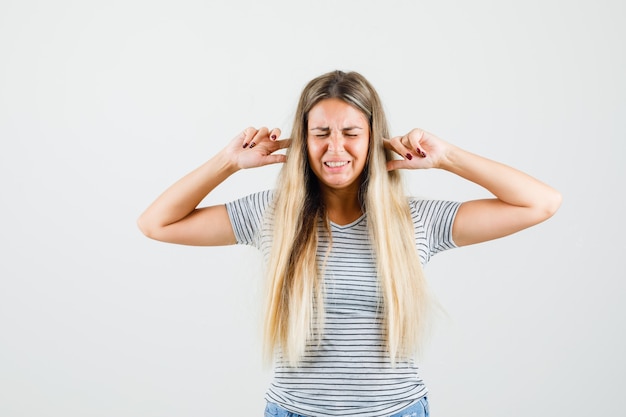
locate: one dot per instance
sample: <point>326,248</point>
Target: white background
<point>103,104</point>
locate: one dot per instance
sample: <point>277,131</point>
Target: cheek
<point>363,148</point>
<point>313,151</point>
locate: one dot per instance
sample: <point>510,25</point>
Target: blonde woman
<point>346,304</point>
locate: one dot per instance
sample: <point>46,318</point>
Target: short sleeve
<point>246,216</point>
<point>432,223</point>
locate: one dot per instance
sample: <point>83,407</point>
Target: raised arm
<point>520,200</point>
<point>174,216</point>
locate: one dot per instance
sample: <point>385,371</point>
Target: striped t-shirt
<point>349,373</point>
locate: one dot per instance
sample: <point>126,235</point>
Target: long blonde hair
<point>295,298</point>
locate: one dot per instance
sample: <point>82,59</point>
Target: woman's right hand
<point>175,216</point>
<point>256,147</point>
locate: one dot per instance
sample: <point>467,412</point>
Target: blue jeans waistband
<point>418,409</point>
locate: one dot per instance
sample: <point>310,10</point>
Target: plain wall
<point>103,104</point>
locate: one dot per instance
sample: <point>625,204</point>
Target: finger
<point>397,164</point>
<point>412,147</point>
<point>274,133</point>
<point>395,145</point>
<point>401,146</point>
<point>248,133</point>
<point>407,147</point>
<point>275,159</point>
<point>260,134</point>
<point>283,143</point>
<point>414,139</point>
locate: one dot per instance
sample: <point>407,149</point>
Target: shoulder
<point>422,204</point>
<point>432,211</point>
<point>433,221</point>
<point>259,199</point>
<point>247,215</point>
<point>252,205</point>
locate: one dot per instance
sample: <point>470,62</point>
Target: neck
<point>342,206</point>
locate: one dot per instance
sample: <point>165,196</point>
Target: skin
<point>175,217</point>
<point>520,201</point>
<point>338,142</point>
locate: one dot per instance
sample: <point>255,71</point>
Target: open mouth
<point>336,164</point>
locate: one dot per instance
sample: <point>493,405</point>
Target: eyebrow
<point>327,129</point>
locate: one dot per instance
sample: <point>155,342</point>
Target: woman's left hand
<point>520,201</point>
<point>418,149</point>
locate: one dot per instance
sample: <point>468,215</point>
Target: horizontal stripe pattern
<point>348,373</point>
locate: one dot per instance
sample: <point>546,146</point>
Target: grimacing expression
<point>338,144</point>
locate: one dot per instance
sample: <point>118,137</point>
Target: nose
<point>335,142</point>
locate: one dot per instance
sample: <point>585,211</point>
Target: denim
<point>419,409</point>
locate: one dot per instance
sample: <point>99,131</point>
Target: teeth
<point>332,164</point>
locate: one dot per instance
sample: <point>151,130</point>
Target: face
<point>338,141</point>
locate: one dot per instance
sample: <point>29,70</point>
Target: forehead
<point>336,113</point>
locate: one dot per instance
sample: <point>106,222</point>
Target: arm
<point>520,200</point>
<point>174,216</point>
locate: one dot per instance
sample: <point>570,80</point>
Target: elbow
<point>552,202</point>
<point>148,229</point>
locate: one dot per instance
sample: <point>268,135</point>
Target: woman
<point>346,302</point>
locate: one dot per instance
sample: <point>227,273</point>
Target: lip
<point>335,168</point>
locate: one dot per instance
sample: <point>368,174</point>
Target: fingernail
<point>409,156</point>
<point>273,137</point>
<point>245,145</point>
<point>252,145</point>
<point>421,153</point>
